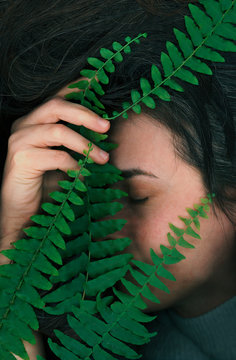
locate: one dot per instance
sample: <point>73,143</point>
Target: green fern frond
<point>206,32</point>
<point>120,323</point>
<point>92,267</point>
<point>100,336</point>
<point>33,259</point>
<point>92,88</point>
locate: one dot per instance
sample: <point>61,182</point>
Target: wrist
<point>11,226</point>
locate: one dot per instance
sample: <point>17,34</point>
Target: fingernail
<point>103,122</point>
<point>104,154</point>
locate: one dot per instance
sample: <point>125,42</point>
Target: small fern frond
<point>206,32</point>
<point>92,88</point>
<point>149,273</point>
<point>33,259</point>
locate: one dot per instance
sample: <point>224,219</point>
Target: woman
<point>171,156</point>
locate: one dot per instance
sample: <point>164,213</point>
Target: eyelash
<point>138,201</point>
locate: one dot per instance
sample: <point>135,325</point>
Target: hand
<point>29,157</point>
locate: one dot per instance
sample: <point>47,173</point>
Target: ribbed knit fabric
<point>211,336</point>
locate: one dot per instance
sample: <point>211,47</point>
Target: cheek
<point>202,263</point>
<point>149,230</point>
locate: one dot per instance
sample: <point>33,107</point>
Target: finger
<point>54,135</point>
<point>58,109</point>
<point>35,162</point>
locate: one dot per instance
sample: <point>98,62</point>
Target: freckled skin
<point>206,278</point>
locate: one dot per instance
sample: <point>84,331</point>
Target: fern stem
<point>89,252</point>
<point>117,52</point>
<point>178,68</point>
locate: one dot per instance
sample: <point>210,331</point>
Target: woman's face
<point>168,186</point>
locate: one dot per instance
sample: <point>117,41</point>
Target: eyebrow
<point>129,173</point>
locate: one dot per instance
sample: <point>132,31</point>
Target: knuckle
<point>57,131</point>
<point>61,156</point>
<point>86,110</point>
<point>53,103</point>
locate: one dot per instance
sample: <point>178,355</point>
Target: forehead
<point>142,141</point>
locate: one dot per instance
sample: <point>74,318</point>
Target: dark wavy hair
<point>45,44</point>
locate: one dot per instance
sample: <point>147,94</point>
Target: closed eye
<point>137,200</point>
